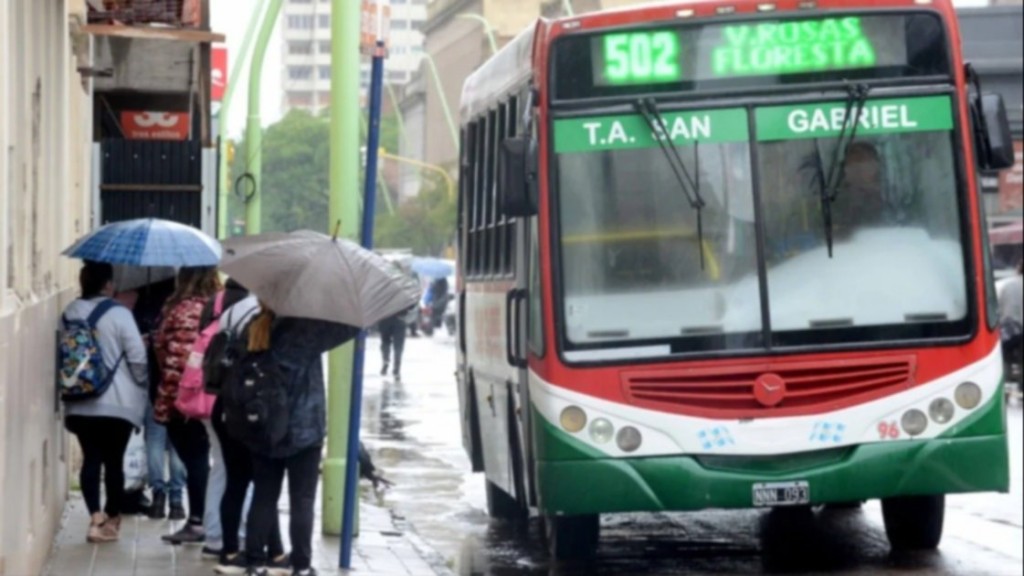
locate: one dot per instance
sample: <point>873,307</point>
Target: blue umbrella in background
<point>432,267</point>
<point>148,242</point>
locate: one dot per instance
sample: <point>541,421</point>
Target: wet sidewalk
<point>384,548</point>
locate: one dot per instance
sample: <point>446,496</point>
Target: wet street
<point>412,430</point>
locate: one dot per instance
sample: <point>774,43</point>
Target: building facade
<point>306,50</point>
<point>45,133</point>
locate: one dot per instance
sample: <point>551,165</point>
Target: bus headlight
<point>602,431</point>
<point>914,422</point>
<point>573,419</point>
<point>941,410</point>
<point>629,439</point>
<point>968,395</point>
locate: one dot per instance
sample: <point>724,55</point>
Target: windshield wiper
<point>648,109</point>
<point>857,95</point>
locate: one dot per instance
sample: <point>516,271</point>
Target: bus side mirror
<point>517,177</point>
<point>996,143</point>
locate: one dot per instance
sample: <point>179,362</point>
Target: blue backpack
<point>81,372</point>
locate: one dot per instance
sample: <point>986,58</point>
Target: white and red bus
<point>730,254</point>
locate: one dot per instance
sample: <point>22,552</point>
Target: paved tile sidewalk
<point>382,549</point>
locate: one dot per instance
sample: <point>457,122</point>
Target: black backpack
<point>225,349</point>
<point>255,401</point>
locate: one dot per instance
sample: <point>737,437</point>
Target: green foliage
<point>296,187</point>
<point>426,224</point>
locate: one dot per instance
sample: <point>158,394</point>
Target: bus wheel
<point>572,537</point>
<point>501,505</point>
<point>914,522</point>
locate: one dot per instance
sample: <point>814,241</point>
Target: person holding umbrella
<point>103,423</point>
<point>315,293</point>
<point>143,243</point>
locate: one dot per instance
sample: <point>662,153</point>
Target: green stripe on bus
<point>825,120</point>
<point>631,131</point>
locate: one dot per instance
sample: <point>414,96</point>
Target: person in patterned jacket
<point>178,331</point>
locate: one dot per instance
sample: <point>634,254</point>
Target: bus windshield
<point>635,271</point>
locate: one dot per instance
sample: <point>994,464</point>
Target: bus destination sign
<point>772,48</point>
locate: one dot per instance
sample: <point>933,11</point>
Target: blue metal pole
<point>369,209</point>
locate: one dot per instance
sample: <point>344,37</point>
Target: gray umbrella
<point>311,275</point>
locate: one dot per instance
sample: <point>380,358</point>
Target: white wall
<point>45,129</point>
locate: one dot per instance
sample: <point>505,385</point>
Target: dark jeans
<point>238,464</point>
<point>392,334</point>
<point>103,442</point>
<point>193,447</point>
<point>303,473</point>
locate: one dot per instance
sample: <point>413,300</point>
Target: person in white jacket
<point>104,424</point>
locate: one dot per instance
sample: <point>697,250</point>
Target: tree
<point>296,187</point>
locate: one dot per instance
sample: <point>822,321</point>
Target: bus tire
<point>501,505</point>
<point>914,522</point>
<point>572,537</point>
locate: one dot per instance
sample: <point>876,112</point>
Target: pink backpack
<point>193,401</point>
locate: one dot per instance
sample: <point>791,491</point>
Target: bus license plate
<point>782,494</point>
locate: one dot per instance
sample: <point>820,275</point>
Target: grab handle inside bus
<point>517,177</point>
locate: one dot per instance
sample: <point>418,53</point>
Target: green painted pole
<point>223,116</point>
<point>488,29</point>
<point>439,86</point>
<point>253,125</point>
<point>344,208</point>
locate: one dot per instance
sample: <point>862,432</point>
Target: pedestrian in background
<point>103,424</point>
<point>392,337</point>
<point>179,329</point>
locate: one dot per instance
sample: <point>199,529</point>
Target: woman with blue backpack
<point>103,375</point>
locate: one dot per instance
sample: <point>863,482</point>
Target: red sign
<point>218,73</point>
<point>138,125</point>
<point>1011,182</point>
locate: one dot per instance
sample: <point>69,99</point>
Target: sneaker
<point>95,521</point>
<point>190,534</point>
<point>306,572</point>
<point>109,531</point>
<point>211,553</point>
<point>280,566</point>
<point>158,509</point>
<point>177,511</point>
<point>232,564</point>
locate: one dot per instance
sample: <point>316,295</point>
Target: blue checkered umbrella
<point>148,242</point>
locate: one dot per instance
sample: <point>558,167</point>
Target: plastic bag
<point>135,469</point>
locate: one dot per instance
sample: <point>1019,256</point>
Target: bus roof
<point>513,64</point>
<point>510,67</point>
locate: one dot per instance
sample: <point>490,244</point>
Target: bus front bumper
<point>864,472</point>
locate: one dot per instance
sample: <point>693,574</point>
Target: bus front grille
<point>767,390</point>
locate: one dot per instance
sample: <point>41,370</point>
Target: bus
<point>730,254</point>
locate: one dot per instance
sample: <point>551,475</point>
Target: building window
<point>417,25</point>
<point>324,20</point>
<point>300,72</point>
<point>298,99</point>
<point>325,46</point>
<point>325,72</point>
<point>398,76</point>
<point>399,24</point>
<point>300,47</point>
<point>300,21</point>
<point>301,1</point>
